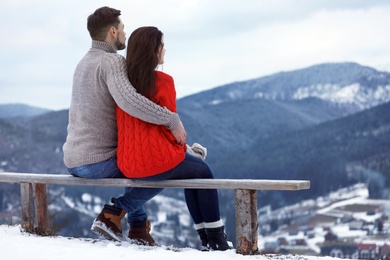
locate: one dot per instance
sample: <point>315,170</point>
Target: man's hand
<point>180,134</point>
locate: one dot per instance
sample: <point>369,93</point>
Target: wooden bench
<point>33,197</point>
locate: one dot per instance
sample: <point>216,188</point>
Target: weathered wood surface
<point>246,222</point>
<point>26,197</point>
<point>243,184</point>
<point>41,210</point>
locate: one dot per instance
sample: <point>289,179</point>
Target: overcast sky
<point>209,43</point>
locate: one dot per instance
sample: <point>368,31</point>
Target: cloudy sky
<point>209,43</point>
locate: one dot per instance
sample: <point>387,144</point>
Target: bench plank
<point>245,197</point>
<point>244,184</point>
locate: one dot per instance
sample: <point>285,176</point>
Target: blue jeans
<point>202,204</point>
<point>135,197</point>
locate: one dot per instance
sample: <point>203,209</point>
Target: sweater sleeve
<point>129,100</point>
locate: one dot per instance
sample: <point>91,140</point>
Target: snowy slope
<point>19,246</point>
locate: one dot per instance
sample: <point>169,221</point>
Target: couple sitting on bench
<point>116,131</point>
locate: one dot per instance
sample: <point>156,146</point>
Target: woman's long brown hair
<point>143,48</point>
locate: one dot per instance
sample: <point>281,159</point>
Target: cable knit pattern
<point>145,149</point>
<point>100,83</point>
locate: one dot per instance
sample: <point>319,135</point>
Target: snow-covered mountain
<point>339,83</point>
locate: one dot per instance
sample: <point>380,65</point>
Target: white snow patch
<point>97,209</point>
<point>69,202</point>
<point>97,200</point>
<point>216,102</point>
<point>234,94</point>
<point>330,92</point>
<point>86,197</point>
<point>346,94</point>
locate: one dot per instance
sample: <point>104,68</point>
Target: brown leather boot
<point>140,233</point>
<point>108,223</point>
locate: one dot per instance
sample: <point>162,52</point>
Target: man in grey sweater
<point>100,83</point>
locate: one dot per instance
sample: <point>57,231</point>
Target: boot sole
<point>101,229</point>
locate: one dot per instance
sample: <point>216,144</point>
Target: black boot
<point>203,237</point>
<point>217,238</point>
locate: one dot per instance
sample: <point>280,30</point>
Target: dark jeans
<point>203,204</point>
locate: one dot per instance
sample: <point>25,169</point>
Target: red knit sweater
<point>145,149</point>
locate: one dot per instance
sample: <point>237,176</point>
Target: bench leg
<point>246,222</point>
<point>41,210</point>
<point>30,195</point>
<point>26,198</point>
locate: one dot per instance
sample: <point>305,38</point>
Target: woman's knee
<point>206,172</point>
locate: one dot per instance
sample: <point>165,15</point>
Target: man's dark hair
<point>100,22</point>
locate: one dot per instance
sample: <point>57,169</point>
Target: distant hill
<point>17,110</point>
<point>235,125</point>
<point>33,144</point>
<point>235,114</point>
<point>331,155</point>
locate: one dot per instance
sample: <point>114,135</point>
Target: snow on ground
<point>18,245</point>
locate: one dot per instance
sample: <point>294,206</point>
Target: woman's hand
<point>180,134</point>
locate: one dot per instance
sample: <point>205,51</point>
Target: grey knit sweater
<point>100,83</point>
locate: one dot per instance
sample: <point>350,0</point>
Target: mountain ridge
<point>328,81</point>
<point>20,110</point>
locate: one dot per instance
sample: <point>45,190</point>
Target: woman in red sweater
<point>150,151</point>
